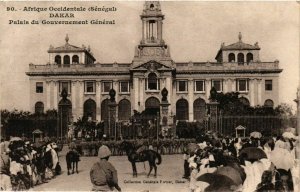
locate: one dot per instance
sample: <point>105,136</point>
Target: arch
<point>199,109</point>
<point>39,107</point>
<point>152,82</point>
<point>231,57</point>
<point>152,106</point>
<point>240,58</point>
<point>57,59</point>
<point>249,57</point>
<point>89,109</point>
<point>269,103</point>
<point>182,109</point>
<point>245,101</point>
<point>66,59</point>
<point>124,112</point>
<point>75,59</point>
<point>104,110</point>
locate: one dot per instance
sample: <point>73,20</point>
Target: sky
<point>194,31</point>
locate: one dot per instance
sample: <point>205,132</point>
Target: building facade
<point>138,84</point>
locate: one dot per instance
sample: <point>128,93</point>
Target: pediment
<point>151,66</point>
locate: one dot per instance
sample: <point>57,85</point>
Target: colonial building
<point>138,84</point>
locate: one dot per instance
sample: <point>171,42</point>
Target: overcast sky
<point>193,30</point>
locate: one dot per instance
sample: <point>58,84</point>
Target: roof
<point>240,46</point>
<point>37,131</point>
<point>71,48</point>
<point>240,127</point>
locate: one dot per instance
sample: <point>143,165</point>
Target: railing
<point>79,67</point>
<point>227,66</point>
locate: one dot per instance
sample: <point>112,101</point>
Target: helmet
<point>104,151</point>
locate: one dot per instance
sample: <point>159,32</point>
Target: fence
<point>267,125</point>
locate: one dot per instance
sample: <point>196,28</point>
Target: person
<point>194,166</point>
<point>103,174</point>
<point>73,147</point>
<point>266,182</point>
<point>186,165</point>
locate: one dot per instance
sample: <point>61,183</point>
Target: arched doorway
<point>245,101</point>
<point>90,109</point>
<point>199,109</point>
<point>152,106</point>
<point>65,117</point>
<point>124,112</point>
<point>182,109</point>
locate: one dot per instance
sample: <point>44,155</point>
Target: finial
<point>89,48</point>
<point>67,38</point>
<point>240,37</point>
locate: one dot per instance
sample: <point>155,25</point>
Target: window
<point>269,103</point>
<point>152,82</point>
<point>65,85</point>
<point>124,87</point>
<point>200,86</point>
<point>231,57</point>
<point>75,59</point>
<point>106,86</point>
<point>67,60</point>
<point>249,57</point>
<point>217,84</point>
<point>39,107</point>
<point>57,59</point>
<point>90,87</point>
<point>242,85</point>
<point>182,86</point>
<point>268,85</point>
<point>39,87</point>
<point>241,59</point>
<point>244,101</point>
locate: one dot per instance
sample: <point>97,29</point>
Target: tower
<point>152,45</point>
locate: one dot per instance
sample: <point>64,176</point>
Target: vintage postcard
<point>148,95</point>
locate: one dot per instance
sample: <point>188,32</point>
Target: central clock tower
<point>152,45</point>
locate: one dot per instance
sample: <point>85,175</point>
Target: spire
<point>67,39</point>
<point>240,37</point>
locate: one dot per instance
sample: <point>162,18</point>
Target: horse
<point>72,159</point>
<point>145,155</point>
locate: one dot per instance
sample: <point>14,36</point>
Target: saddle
<point>139,152</point>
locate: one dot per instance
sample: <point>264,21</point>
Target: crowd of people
<point>24,164</point>
<point>250,164</point>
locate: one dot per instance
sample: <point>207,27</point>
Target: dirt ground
<point>169,178</point>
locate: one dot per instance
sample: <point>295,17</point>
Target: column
<point>136,93</point>
<point>81,95</point>
<point>233,85</point>
<point>143,31</point>
<point>98,101</point>
<point>141,91</point>
<point>191,100</point>
<point>55,95</point>
<point>147,28</point>
<point>207,88</point>
<point>159,29</point>
<point>225,88</point>
<point>259,91</point>
<point>73,100</point>
<point>48,95</point>
<point>251,92</point>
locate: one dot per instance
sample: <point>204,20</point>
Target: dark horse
<point>145,155</point>
<point>72,159</point>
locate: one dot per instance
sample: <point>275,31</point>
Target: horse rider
<point>103,174</point>
<point>73,147</point>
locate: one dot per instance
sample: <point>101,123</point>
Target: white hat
<point>104,151</point>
